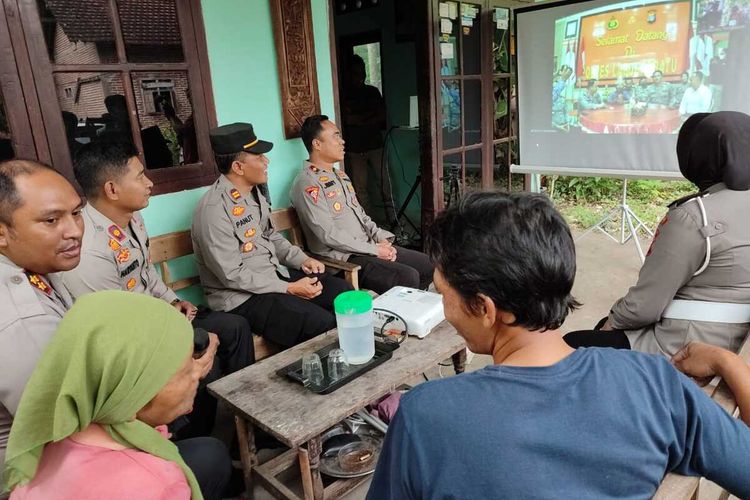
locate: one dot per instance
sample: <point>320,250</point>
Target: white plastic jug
<point>355,326</point>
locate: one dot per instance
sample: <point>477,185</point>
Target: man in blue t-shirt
<point>544,420</point>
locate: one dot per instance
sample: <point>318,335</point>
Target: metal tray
<point>383,352</point>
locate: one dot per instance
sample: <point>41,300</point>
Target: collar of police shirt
<point>59,296</point>
<point>134,232</point>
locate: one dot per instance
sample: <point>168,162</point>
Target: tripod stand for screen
<point>630,223</point>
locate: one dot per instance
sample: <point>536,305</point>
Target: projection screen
<point>604,86</point>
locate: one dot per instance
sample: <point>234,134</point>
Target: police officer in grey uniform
<point>591,98</point>
<point>115,256</point>
<point>660,92</point>
<point>40,235</point>
<point>245,265</point>
<point>695,282</point>
<point>336,225</point>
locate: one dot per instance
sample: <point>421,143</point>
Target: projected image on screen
<point>642,68</point>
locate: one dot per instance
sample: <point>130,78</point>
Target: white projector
<point>422,311</point>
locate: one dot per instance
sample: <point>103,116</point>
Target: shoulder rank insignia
<point>116,232</point>
<point>341,174</point>
<point>123,256</point>
<point>235,194</point>
<point>337,207</point>
<point>238,210</point>
<point>324,178</point>
<point>248,247</point>
<point>250,233</point>
<point>313,191</point>
<point>130,284</point>
<point>114,245</point>
<point>38,282</point>
<point>350,188</point>
<point>332,194</point>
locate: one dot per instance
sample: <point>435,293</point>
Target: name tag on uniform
<point>132,267</point>
<point>243,221</point>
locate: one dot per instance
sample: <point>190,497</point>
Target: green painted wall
<point>245,82</point>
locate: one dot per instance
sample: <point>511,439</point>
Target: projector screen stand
<point>630,223</point>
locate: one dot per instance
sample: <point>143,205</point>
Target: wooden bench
<point>677,487</point>
<point>171,246</point>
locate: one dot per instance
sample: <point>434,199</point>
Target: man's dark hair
<point>515,249</point>
<point>591,83</point>
<point>10,200</point>
<point>224,162</point>
<point>97,162</point>
<point>311,128</point>
<point>655,72</point>
<point>700,75</point>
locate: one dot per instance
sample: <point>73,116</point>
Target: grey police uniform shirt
<point>334,223</point>
<point>28,319</point>
<point>238,252</point>
<point>115,258</point>
<point>677,252</point>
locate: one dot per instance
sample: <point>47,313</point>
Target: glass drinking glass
<point>312,369</point>
<point>337,364</point>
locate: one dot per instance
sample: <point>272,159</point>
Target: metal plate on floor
<point>348,454</point>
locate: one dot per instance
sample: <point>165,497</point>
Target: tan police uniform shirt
<point>237,250</point>
<point>677,252</point>
<point>334,223</point>
<point>115,258</point>
<point>31,306</point>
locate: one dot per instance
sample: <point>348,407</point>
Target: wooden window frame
<point>486,76</point>
<point>44,113</point>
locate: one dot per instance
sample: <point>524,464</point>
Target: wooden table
<point>298,417</point>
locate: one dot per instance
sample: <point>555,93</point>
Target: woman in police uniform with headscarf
<point>695,282</point>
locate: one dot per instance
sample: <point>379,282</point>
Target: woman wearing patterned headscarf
<point>695,282</point>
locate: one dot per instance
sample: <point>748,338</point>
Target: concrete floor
<point>605,271</point>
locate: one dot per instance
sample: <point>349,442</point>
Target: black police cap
<point>237,137</point>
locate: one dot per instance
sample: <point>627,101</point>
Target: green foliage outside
<point>585,200</point>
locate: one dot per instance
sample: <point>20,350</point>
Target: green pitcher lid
<point>353,302</point>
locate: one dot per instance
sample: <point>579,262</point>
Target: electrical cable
<point>402,336</point>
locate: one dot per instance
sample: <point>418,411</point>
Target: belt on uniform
<point>714,312</point>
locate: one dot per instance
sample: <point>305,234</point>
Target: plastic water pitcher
<point>355,326</point>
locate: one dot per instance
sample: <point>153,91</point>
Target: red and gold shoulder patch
<point>248,247</point>
<point>116,232</point>
<point>250,233</point>
<point>114,245</point>
<point>235,194</point>
<point>337,207</point>
<point>123,256</point>
<point>238,210</point>
<point>313,191</point>
<point>314,169</point>
<point>38,282</point>
<point>130,284</point>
